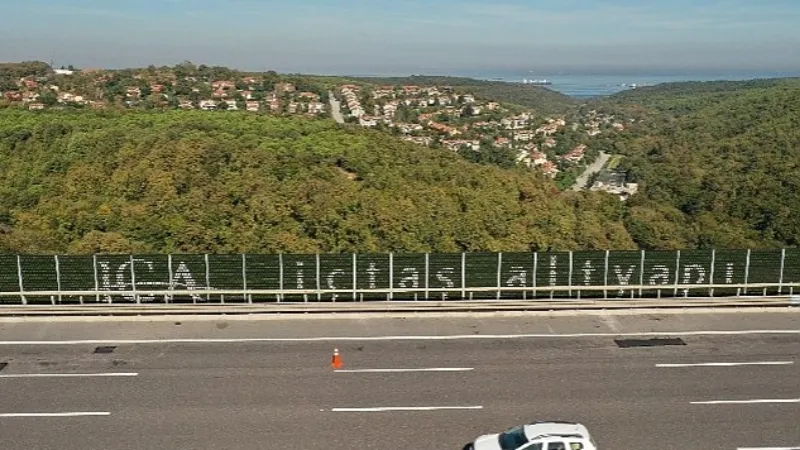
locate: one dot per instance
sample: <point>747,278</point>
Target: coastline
<point>585,86</point>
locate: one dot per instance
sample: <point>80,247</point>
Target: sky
<point>383,37</point>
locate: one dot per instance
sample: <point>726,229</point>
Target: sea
<point>586,86</point>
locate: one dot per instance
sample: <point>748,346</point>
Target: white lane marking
<point>64,414</point>
<point>69,375</point>
<point>768,448</point>
<point>431,369</point>
<point>730,364</point>
<point>747,402</point>
<point>403,338</point>
<point>407,408</point>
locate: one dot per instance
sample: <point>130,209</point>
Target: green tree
<point>49,98</point>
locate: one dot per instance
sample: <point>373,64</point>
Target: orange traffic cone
<point>337,360</point>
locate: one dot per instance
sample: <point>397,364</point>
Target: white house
<point>208,105</point>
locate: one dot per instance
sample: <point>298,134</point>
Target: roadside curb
<point>90,313</point>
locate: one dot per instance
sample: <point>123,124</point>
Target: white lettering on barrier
<point>300,276</point>
<point>411,275</point>
<point>114,277</point>
<point>372,272</point>
<point>122,279</point>
<point>588,270</point>
<point>660,272</point>
<point>105,278</point>
<point>138,262</point>
<point>687,274</point>
<point>519,277</point>
<point>123,272</point>
<point>440,275</point>
<point>448,282</point>
<point>624,279</point>
<point>331,278</point>
<point>183,276</point>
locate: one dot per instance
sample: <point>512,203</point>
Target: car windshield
<point>513,438</point>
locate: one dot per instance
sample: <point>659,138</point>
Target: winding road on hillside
<point>733,382</point>
<point>336,108</point>
<point>593,168</point>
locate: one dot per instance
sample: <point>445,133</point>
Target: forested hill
<point>684,97</point>
<point>80,181</point>
<point>538,98</point>
<point>718,163</point>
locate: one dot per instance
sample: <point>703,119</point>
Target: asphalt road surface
<point>336,110</point>
<point>596,166</point>
<point>268,384</point>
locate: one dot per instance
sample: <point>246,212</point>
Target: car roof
<point>540,429</point>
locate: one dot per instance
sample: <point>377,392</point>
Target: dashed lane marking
<point>62,414</point>
<point>730,364</point>
<point>69,375</point>
<point>747,402</point>
<point>407,408</point>
<point>431,369</point>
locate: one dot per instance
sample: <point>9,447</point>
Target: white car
<point>537,436</point>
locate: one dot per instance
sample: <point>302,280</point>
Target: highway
<point>407,382</point>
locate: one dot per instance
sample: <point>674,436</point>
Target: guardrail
<point>247,279</point>
<point>461,306</point>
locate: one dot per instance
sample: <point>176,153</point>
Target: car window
<point>556,446</point>
<point>576,446</point>
<point>513,438</point>
<point>534,447</point>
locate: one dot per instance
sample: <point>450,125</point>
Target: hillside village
<point>438,116</point>
<point>164,90</point>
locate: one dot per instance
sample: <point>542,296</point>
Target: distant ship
<point>537,82</point>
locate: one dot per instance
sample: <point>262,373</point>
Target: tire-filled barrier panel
<point>246,278</point>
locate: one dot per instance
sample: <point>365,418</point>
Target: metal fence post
<point>58,279</point>
<point>713,267</point>
<point>677,273</point>
<point>569,282</point>
<point>747,271</point>
<point>208,282</point>
<point>355,278</point>
<point>96,281</point>
<point>168,298</point>
<point>427,274</point>
<point>319,293</point>
<point>605,277</point>
<point>247,298</point>
<point>133,282</point>
<point>391,276</point>
<point>641,274</point>
<point>463,275</point>
<point>535,268</point>
<point>499,273</point>
<point>280,277</point>
<point>19,278</point>
<point>783,264</point>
